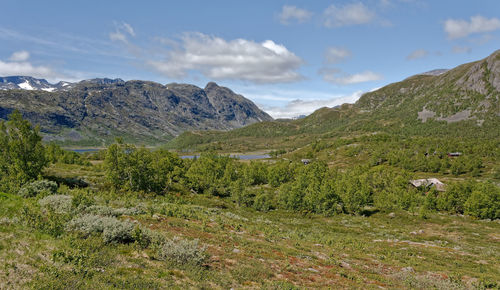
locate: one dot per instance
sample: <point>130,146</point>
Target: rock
<point>236,250</point>
<point>408,269</point>
<point>392,215</point>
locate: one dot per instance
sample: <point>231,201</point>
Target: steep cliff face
<point>233,108</point>
<point>100,109</point>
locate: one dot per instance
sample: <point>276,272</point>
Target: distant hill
<point>467,95</point>
<point>94,112</point>
<point>464,101</point>
<point>435,72</point>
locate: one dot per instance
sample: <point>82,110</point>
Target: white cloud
<point>300,107</point>
<point>121,31</point>
<point>25,68</point>
<point>350,14</point>
<point>419,53</point>
<point>18,64</point>
<point>117,36</point>
<point>238,59</point>
<point>336,76</point>
<point>459,28</point>
<point>22,55</point>
<point>336,54</point>
<point>293,13</point>
<point>128,28</point>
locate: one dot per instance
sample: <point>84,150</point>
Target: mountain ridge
<point>98,110</point>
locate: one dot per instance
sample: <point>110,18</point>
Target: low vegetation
<point>130,217</point>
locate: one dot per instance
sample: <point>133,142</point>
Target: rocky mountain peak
<point>211,86</point>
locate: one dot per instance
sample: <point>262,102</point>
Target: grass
<point>250,249</point>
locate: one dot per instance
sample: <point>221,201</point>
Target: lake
<point>83,150</point>
<point>238,156</point>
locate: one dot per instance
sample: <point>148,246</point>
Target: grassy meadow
<point>245,248</point>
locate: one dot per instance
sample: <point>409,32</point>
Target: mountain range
<point>94,112</point>
<point>464,101</point>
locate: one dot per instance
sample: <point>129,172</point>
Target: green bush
<point>57,203</point>
<point>55,154</point>
<point>279,173</point>
<point>484,201</point>
<point>47,222</point>
<point>22,154</point>
<point>182,251</point>
<point>140,169</point>
<point>101,210</point>
<point>145,237</point>
<point>82,198</point>
<point>211,174</point>
<point>242,195</point>
<point>109,211</point>
<point>112,229</point>
<point>39,187</point>
<point>454,198</point>
<point>263,202</point>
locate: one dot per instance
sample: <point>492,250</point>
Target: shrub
<point>82,198</point>
<point>140,169</point>
<point>240,194</point>
<point>263,202</point>
<point>145,237</point>
<point>118,231</point>
<point>48,222</point>
<point>57,203</point>
<point>112,229</point>
<point>39,187</point>
<point>99,210</point>
<point>22,154</point>
<point>129,211</point>
<point>211,174</point>
<point>455,196</point>
<point>182,252</point>
<point>9,221</point>
<point>109,211</point>
<point>484,202</point>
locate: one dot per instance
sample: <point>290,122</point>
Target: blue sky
<point>289,57</point>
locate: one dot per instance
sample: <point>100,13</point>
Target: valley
<point>398,190</point>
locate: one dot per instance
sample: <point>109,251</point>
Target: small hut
<point>429,183</point>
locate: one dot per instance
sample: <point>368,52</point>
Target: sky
<point>289,57</point>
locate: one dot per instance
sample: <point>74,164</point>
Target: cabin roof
<point>428,182</point>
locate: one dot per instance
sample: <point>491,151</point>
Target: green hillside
<point>460,102</point>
